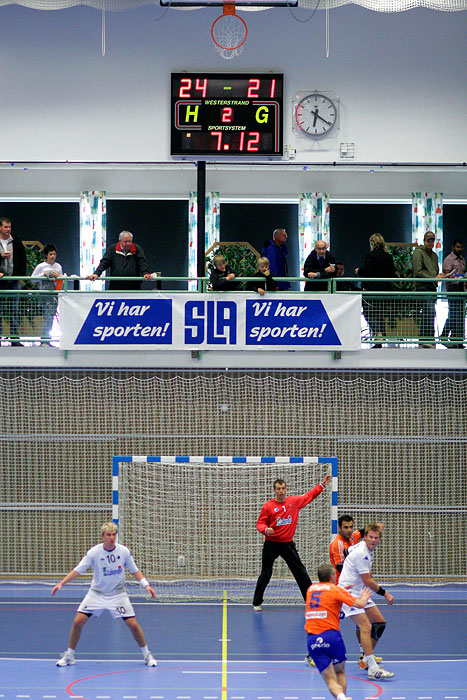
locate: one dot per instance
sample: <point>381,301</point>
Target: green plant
<point>402,256</point>
<point>31,303</point>
<point>405,310</point>
<point>241,257</point>
<point>33,259</point>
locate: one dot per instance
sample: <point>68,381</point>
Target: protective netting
<point>375,5</point>
<point>192,526</point>
<point>400,438</point>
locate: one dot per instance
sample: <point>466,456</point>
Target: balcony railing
<point>404,317</point>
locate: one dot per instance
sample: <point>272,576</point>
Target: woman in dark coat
<point>378,263</point>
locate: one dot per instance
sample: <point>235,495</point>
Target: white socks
<point>372,665</point>
<point>144,651</point>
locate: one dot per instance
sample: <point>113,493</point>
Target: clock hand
<point>315,114</point>
<point>322,119</point>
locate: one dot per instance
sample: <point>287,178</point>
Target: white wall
<point>401,80</point>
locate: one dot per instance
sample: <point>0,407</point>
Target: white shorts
<point>349,611</point>
<point>118,605</point>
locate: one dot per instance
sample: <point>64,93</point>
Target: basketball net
<point>229,32</point>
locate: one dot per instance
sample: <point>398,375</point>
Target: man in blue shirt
<point>276,252</point>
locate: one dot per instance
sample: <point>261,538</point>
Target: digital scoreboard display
<point>226,114</point>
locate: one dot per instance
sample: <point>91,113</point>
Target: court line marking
<point>74,603</point>
<point>216,661</point>
<point>224,647</point>
<point>229,673</point>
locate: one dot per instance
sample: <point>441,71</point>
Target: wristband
<point>380,591</point>
<point>144,582</point>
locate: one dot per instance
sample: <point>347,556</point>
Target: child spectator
<point>49,270</point>
<point>269,283</point>
<point>222,277</point>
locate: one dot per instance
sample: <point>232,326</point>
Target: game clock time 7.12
<point>226,114</point>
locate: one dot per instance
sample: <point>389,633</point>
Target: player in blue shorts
<point>325,644</point>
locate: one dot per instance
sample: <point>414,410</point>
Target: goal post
<point>191,521</point>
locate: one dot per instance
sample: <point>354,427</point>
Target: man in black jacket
<point>124,259</point>
<point>13,264</point>
<point>320,264</point>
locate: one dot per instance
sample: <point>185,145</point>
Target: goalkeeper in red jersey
<point>325,644</point>
<point>278,522</point>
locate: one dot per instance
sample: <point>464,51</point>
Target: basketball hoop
<point>229,32</point>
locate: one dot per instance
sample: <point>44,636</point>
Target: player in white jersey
<point>107,591</point>
<point>355,575</point>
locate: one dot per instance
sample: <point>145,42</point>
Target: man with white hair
<point>124,259</point>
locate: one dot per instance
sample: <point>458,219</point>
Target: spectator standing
<point>48,271</point>
<point>454,265</point>
<point>276,252</point>
<point>321,265</point>
<point>124,259</point>
<point>378,263</point>
<point>425,265</point>
<point>13,264</point>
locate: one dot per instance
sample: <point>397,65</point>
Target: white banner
<point>151,321</point>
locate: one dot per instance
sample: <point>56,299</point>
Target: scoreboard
<point>226,114</point>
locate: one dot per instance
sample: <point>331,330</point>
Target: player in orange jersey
<point>325,644</point>
<point>345,538</point>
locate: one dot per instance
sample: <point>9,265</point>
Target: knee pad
<point>377,629</point>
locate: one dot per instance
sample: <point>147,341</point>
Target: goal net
<point>191,522</point>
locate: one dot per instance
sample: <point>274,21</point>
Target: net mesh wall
<point>400,439</point>
<point>192,525</point>
<point>121,5</point>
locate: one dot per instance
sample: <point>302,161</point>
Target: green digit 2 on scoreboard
<point>226,114</point>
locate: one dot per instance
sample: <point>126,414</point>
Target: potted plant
<point>404,321</point>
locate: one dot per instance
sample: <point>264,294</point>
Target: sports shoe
<point>257,608</point>
<point>380,674</point>
<point>309,661</point>
<point>363,664</point>
<point>149,660</point>
<point>66,660</point>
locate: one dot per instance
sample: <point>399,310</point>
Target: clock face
<point>315,115</point>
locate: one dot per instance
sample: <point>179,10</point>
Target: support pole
<point>201,219</point>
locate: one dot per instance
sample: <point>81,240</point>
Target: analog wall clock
<point>315,115</point>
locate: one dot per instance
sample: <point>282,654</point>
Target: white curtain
<point>313,222</point>
<point>92,234</point>
<point>212,229</point>
<point>427,215</point>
